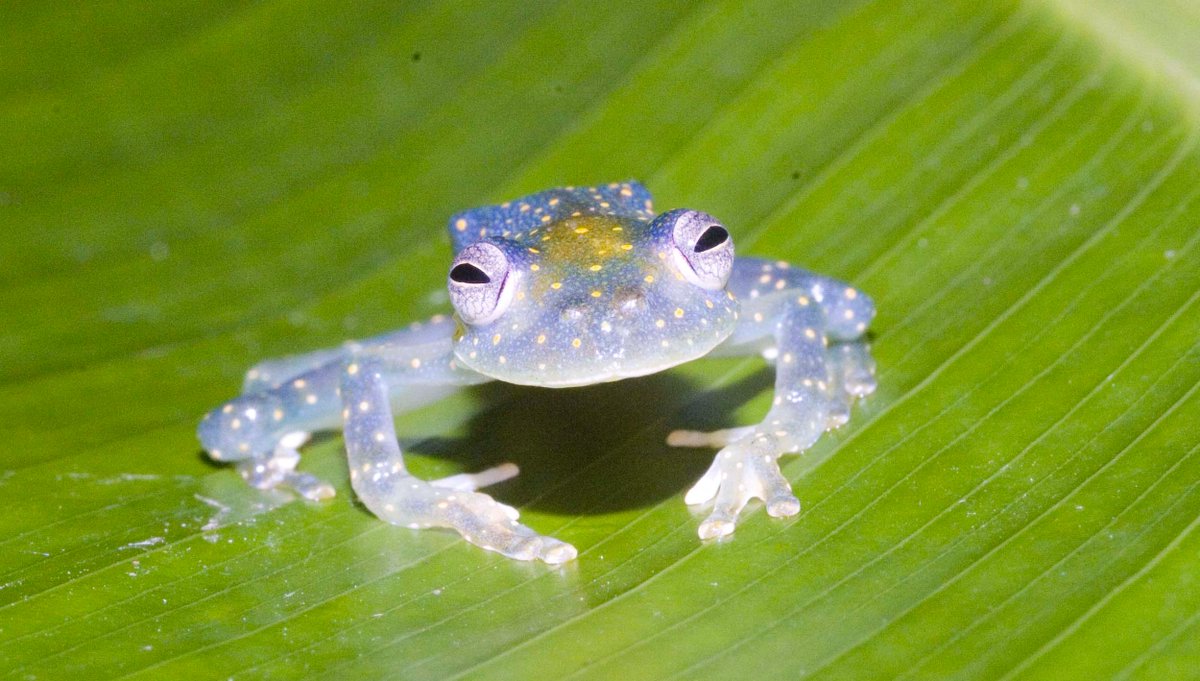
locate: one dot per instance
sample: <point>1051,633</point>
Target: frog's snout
<point>626,302</point>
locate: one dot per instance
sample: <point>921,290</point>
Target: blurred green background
<point>187,188</point>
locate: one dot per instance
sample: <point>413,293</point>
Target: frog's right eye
<point>703,252</point>
<point>479,282</point>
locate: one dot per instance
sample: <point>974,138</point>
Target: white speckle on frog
<point>566,287</point>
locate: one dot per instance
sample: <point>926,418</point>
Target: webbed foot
<point>745,469</point>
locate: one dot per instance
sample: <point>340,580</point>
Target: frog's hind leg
<point>261,431</point>
<point>274,373</point>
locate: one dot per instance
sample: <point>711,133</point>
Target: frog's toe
<point>700,438</point>
<point>860,383</point>
<point>492,525</point>
<point>717,526</point>
<point>857,369</point>
<point>469,482</point>
<point>706,487</point>
<point>519,542</point>
<point>554,551</point>
<point>839,414</point>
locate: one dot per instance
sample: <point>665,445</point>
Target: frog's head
<point>593,298</point>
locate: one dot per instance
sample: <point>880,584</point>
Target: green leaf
<point>186,189</point>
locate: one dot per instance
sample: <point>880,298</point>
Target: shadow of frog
<point>594,449</point>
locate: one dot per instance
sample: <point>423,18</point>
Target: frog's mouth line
<point>606,375</point>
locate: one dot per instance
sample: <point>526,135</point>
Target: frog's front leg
<point>381,481</point>
<point>792,317</point>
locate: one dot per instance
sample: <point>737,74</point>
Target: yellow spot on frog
<point>534,267</point>
<point>576,343</point>
<point>460,225</point>
<point>533,250</point>
<point>678,312</point>
<point>626,247</point>
<point>595,294</point>
<point>541,338</point>
<point>556,285</point>
<point>581,230</point>
<point>594,268</point>
<point>496,339</point>
<point>553,202</point>
<point>659,323</point>
<point>649,279</point>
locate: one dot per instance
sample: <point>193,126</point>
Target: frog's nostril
<point>573,313</point>
<point>630,300</point>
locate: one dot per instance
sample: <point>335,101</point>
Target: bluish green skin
<point>594,289</point>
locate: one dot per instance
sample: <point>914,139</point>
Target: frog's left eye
<point>479,283</point>
<point>703,251</point>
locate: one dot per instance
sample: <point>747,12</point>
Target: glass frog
<point>566,287</point>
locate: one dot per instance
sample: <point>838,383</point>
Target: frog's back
<point>524,219</point>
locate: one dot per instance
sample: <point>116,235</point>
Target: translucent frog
<point>567,287</point>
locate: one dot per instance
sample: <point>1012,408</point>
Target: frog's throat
<point>581,374</point>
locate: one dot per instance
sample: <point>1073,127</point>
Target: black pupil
<point>466,273</point>
<point>711,238</point>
